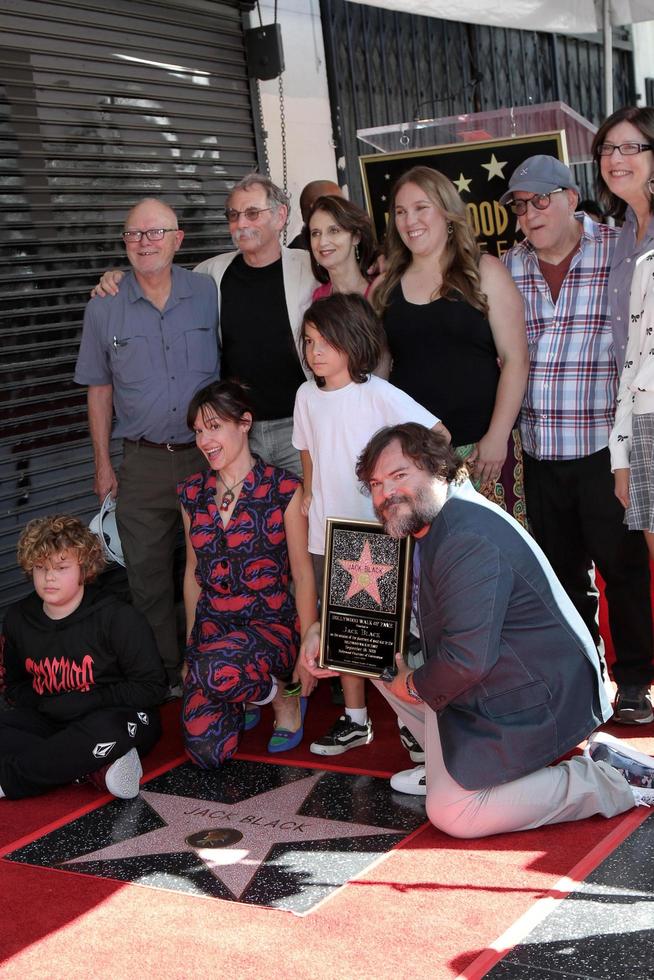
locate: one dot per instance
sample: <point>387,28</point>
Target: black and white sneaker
<point>415,750</point>
<point>343,735</point>
<point>632,705</point>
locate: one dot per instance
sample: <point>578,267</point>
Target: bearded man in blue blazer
<point>508,678</point>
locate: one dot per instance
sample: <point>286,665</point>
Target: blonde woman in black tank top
<point>454,322</point>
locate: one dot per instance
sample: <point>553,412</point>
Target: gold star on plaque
<point>462,184</point>
<point>495,168</point>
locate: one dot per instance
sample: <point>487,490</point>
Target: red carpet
<point>433,907</point>
<point>429,908</point>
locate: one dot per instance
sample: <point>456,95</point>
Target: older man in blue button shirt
<point>144,354</point>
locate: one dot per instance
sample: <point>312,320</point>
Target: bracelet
<point>410,689</point>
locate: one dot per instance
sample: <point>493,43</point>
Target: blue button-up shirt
<point>154,359</point>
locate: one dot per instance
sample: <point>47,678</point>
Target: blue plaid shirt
<point>569,404</point>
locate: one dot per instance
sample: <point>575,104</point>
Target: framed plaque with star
<point>366,597</point>
<point>480,172</point>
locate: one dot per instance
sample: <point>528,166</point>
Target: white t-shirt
<point>335,426</point>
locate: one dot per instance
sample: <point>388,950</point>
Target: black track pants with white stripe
<point>37,754</point>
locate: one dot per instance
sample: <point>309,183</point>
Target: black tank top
<point>444,356</point>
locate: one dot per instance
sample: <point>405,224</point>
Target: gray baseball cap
<point>539,175</point>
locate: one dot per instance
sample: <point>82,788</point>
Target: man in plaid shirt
<point>562,271</point>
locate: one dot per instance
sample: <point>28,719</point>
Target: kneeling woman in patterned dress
<point>246,539</point>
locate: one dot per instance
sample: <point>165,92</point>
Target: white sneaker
<point>412,781</point>
<point>123,776</point>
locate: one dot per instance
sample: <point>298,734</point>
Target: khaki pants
<point>271,440</point>
<point>148,515</point>
<point>569,791</point>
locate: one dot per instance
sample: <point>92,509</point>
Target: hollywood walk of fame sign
<point>480,172</point>
<point>250,832</point>
<point>365,602</point>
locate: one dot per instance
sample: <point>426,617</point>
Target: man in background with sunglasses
<point>561,269</point>
<point>144,353</point>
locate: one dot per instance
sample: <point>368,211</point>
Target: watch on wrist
<point>410,689</point>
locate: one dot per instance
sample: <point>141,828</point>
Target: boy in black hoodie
<point>82,670</point>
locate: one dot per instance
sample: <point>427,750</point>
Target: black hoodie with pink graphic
<point>102,655</point>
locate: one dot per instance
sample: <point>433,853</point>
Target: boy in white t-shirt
<point>335,415</point>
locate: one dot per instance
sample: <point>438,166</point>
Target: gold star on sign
<point>495,168</point>
<point>462,184</point>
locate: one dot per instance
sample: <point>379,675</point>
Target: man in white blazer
<point>263,291</point>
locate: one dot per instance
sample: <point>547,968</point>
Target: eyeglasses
<point>252,214</point>
<point>540,201</point>
<point>626,149</point>
<point>152,234</point>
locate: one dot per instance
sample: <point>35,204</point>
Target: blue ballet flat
<point>251,717</point>
<point>282,740</point>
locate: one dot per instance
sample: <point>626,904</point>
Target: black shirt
<point>257,342</point>
<point>444,356</point>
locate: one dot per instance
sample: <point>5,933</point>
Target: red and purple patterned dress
<point>246,625</point>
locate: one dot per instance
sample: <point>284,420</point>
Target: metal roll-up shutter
<point>101,104</point>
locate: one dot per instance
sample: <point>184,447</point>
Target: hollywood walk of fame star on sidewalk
<point>365,574</point>
<point>263,820</point>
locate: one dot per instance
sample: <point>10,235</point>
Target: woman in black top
<point>454,321</point>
